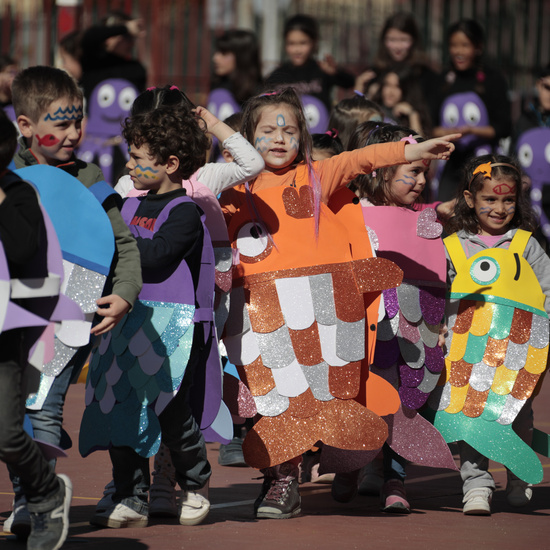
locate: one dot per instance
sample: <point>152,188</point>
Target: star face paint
<point>407,184</point>
<point>494,205</point>
<point>277,136</point>
<point>57,132</point>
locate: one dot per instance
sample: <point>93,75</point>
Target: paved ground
<point>436,522</point>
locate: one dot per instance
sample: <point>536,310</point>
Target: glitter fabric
<point>85,287</point>
<point>237,320</point>
<point>475,403</point>
<point>306,345</point>
<point>276,348</point>
<point>344,381</point>
<point>501,322</point>
<point>511,410</point>
<point>298,203</point>
<point>524,385</point>
<point>504,380</point>
<point>432,304</point>
<point>373,237</point>
<point>409,302</point>
<point>413,397</point>
<point>481,321</point>
<point>304,406</point>
<point>465,314</point>
<point>458,397</point>
<point>347,300</point>
<point>290,381</point>
<point>327,336</point>
<point>410,377</point>
<point>408,331</point>
<point>264,309</point>
<point>460,373</point>
<point>475,348</point>
<point>257,377</point>
<point>36,400</point>
<point>317,378</point>
<point>539,332</point>
<point>387,328</point>
<point>516,355</point>
<point>482,376</point>
<point>536,360</point>
<point>434,360</point>
<point>429,334</point>
<point>350,340</point>
<point>495,352</point>
<point>390,301</point>
<point>323,298</point>
<point>521,326</point>
<point>295,301</point>
<point>243,349</point>
<point>271,404</point>
<point>245,402</point>
<point>63,354</point>
<point>427,225</point>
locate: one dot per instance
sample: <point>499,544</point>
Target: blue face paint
<point>262,144</point>
<point>69,113</point>
<point>511,210</point>
<point>485,210</point>
<point>411,182</point>
<point>294,143</point>
<point>281,120</point>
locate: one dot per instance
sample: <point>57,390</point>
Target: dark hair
<point>350,112</point>
<point>5,61</point>
<point>286,96</point>
<point>36,88</point>
<point>234,121</point>
<point>544,72</point>
<point>304,23</point>
<point>246,79</point>
<point>8,142</point>
<point>376,185</point>
<point>72,44</point>
<point>170,131</point>
<point>153,98</point>
<point>465,217</point>
<point>404,22</point>
<point>328,141</point>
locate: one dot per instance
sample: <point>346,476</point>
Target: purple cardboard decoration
<point>533,152</point>
<point>222,104</point>
<point>316,114</point>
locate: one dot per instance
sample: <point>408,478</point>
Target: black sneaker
<point>265,488</point>
<point>50,520</point>
<point>281,501</point>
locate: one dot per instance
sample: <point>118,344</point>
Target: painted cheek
<point>407,180</point>
<point>294,143</point>
<point>485,210</point>
<point>48,140</point>
<point>262,144</point>
<point>511,210</point>
<point>146,172</point>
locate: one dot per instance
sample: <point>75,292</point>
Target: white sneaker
<point>193,508</point>
<point>162,498</point>
<point>106,501</point>
<point>518,492</point>
<point>118,516</point>
<point>477,502</point>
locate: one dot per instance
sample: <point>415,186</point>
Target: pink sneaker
<point>394,498</point>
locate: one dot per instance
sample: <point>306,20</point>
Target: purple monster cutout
<point>466,109</point>
<point>222,104</point>
<point>110,104</point>
<point>316,114</point>
<point>533,151</point>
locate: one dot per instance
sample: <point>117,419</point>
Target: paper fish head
<point>465,109</point>
<point>533,151</point>
<point>499,275</point>
<point>110,104</point>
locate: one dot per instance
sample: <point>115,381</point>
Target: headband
<point>486,170</point>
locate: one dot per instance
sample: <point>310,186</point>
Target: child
<point>166,146</point>
<point>325,146</point>
<point>48,105</point>
<point>47,495</point>
<point>350,112</point>
<point>491,211</point>
<point>422,258</point>
<point>302,71</point>
<point>275,123</point>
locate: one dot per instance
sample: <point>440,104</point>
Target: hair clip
<point>151,89</point>
<point>486,170</point>
<point>333,133</point>
<point>409,139</point>
<point>357,92</point>
<point>174,88</point>
<point>373,173</point>
<point>268,93</point>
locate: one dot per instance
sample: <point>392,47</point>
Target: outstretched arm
<point>432,149</point>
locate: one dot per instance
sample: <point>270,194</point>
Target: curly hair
<point>376,186</point>
<point>170,130</point>
<point>286,96</point>
<point>465,217</point>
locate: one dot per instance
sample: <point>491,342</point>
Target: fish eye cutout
<point>485,271</point>
<point>253,242</point>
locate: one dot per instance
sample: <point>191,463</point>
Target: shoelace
<point>278,489</point>
<point>39,522</point>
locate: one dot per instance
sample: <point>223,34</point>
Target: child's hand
<point>208,117</point>
<point>118,308</point>
<point>432,149</point>
<point>445,209</point>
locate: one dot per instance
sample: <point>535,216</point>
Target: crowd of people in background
<point>311,149</point>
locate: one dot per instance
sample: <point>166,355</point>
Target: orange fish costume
<point>296,328</point>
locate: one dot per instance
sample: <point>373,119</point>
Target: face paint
<point>145,172</point>
<point>68,113</point>
<point>494,205</point>
<point>47,141</point>
<point>407,180</point>
<point>281,120</point>
<point>504,189</point>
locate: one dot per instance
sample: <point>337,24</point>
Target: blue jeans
<point>22,455</point>
<point>180,433</point>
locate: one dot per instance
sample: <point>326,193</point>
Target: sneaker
<point>194,507</point>
<point>344,486</point>
<point>477,502</point>
<point>232,453</point>
<point>394,497</point>
<point>119,516</point>
<point>162,498</point>
<point>106,500</point>
<point>49,527</point>
<point>19,522</point>
<point>263,492</point>
<point>316,477</point>
<point>281,501</point>
<point>518,492</point>
<point>372,479</point>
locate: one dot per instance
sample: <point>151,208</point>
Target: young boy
<point>48,496</point>
<point>49,108</point>
<point>167,145</point>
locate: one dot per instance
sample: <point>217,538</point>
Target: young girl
<point>407,354</point>
<point>350,112</point>
<point>278,225</point>
<point>302,71</point>
<point>490,213</point>
<point>325,146</point>
<point>468,92</point>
